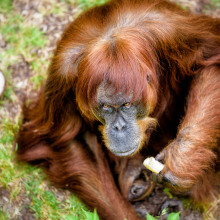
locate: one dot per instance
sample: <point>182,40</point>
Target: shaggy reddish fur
<point>125,42</point>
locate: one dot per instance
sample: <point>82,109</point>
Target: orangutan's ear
<point>148,78</point>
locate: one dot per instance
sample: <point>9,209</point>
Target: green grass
<point>3,215</point>
<point>171,216</point>
<point>46,205</point>
<point>5,6</point>
<point>84,4</point>
<point>22,40</point>
<point>215,3</point>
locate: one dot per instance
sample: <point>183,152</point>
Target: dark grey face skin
<point>120,120</point>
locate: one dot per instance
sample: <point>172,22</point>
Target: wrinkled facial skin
<point>119,117</point>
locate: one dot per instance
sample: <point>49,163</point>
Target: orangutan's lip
<point>126,153</point>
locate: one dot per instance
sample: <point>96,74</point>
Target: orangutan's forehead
<point>109,95</point>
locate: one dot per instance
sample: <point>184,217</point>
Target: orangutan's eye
<point>127,105</point>
<point>106,107</point>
